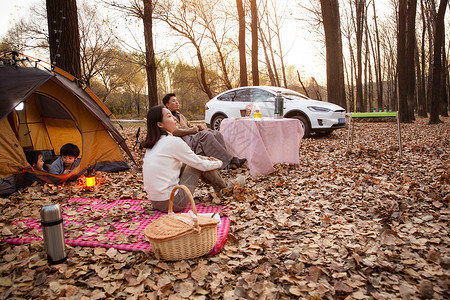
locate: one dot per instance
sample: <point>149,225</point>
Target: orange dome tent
<point>57,109</point>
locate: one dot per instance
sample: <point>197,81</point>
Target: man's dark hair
<point>167,98</point>
<point>70,149</point>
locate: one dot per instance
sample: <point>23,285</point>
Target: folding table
<point>390,114</point>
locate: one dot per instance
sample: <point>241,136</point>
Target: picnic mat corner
<point>116,224</point>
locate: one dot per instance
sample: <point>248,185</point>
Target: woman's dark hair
<point>154,115</point>
<point>167,98</point>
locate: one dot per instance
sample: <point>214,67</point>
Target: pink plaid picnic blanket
<point>116,224</point>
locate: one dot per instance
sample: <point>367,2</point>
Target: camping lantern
<point>90,178</point>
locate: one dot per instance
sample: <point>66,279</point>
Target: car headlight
<point>318,109</point>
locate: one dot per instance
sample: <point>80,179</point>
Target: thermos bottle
<point>278,112</point>
<point>53,231</point>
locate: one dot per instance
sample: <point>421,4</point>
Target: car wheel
<point>216,121</point>
<point>305,125</point>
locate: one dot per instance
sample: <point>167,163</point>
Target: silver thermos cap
<point>53,231</point>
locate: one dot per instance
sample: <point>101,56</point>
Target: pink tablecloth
<point>263,142</point>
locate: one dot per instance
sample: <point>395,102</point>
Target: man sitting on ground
<point>202,141</point>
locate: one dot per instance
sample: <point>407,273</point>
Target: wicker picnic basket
<point>182,236</point>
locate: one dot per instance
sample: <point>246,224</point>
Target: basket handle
<point>188,193</point>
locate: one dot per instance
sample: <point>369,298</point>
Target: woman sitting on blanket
<point>169,161</point>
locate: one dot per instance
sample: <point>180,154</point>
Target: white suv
<point>315,116</point>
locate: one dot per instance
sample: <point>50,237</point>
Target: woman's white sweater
<point>163,162</point>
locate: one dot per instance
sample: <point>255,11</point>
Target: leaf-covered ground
<point>366,225</point>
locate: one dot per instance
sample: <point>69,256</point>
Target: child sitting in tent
<point>35,159</point>
<point>67,161</point>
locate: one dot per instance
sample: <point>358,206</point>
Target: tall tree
<point>334,57</point>
<point>421,66</point>
<point>360,16</point>
<point>98,44</point>
<point>28,33</point>
<point>410,48</point>
<point>438,84</point>
<point>378,66</point>
<point>405,58</point>
<point>241,45</point>
<point>64,37</point>
<point>254,26</point>
<point>150,61</point>
<point>216,24</point>
<point>277,20</point>
<point>269,29</point>
<point>182,19</point>
<point>115,75</point>
<point>135,9</point>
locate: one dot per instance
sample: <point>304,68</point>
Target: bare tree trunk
<point>352,77</point>
<point>369,98</point>
<point>360,15</point>
<point>420,87</point>
<point>205,85</point>
<point>405,58</point>
<point>410,47</point>
<point>254,26</point>
<point>349,99</point>
<point>283,68</point>
<point>431,11</point>
<point>64,36</point>
<point>401,60</point>
<point>436,94</point>
<point>391,76</point>
<point>209,20</point>
<point>421,93</point>
<point>366,87</point>
<point>241,45</point>
<point>334,57</point>
<point>266,56</point>
<point>315,86</point>
<point>180,21</point>
<point>375,65</point>
<point>445,87</point>
<point>265,43</point>
<point>378,66</point>
<point>301,82</point>
<point>150,62</point>
<point>275,71</point>
<point>223,65</point>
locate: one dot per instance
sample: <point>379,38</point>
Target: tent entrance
<point>45,125</point>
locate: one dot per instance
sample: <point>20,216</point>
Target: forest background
<point>197,50</point>
<point>362,225</point>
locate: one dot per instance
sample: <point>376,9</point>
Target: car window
<point>292,96</point>
<point>258,95</point>
<point>227,96</point>
<point>242,95</point>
